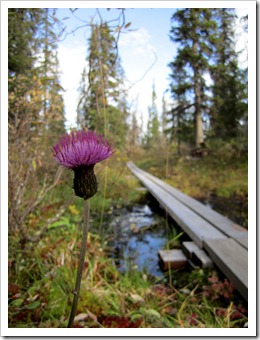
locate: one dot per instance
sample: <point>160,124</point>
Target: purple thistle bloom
<point>81,148</point>
<point>79,152</point>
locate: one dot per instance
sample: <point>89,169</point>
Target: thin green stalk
<point>81,264</point>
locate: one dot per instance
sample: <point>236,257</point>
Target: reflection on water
<point>138,235</point>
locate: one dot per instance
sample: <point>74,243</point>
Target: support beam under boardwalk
<point>197,255</point>
<point>174,259</point>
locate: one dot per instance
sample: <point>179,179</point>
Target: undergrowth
<point>41,280</point>
<point>219,179</point>
<point>41,276</point>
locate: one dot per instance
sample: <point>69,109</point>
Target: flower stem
<point>81,264</point>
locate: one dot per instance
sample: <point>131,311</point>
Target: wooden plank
<point>221,222</point>
<point>202,259</point>
<point>189,248</point>
<point>229,254</point>
<point>243,241</point>
<point>196,254</point>
<point>232,259</point>
<point>173,258</point>
<point>193,224</point>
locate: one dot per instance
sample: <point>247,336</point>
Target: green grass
<point>40,291</point>
<point>221,178</point>
<point>42,276</point>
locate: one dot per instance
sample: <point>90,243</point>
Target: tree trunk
<point>197,115</point>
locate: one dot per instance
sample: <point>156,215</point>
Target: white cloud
<point>137,42</point>
<point>72,61</point>
<point>241,38</point>
<point>138,54</point>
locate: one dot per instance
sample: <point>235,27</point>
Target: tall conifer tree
<point>180,117</point>
<point>229,82</point>
<point>192,29</point>
<point>23,45</point>
<point>153,124</point>
<point>102,105</point>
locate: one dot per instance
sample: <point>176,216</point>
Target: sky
<point>145,50</point>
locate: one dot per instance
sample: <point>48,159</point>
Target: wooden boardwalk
<point>225,242</point>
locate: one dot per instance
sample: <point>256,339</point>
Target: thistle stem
<point>81,264</point>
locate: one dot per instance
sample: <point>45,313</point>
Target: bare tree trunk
<point>197,118</point>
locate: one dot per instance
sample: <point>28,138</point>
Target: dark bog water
<point>137,236</point>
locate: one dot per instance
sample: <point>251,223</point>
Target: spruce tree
<point>35,114</point>
<point>134,131</point>
<point>153,124</point>
<point>23,46</point>
<point>102,105</point>
<point>164,117</point>
<point>23,43</point>
<point>56,111</point>
<point>180,118</point>
<point>193,29</point>
<point>34,89</point>
<point>48,91</point>
<point>229,93</point>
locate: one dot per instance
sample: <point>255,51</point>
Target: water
<point>138,235</point>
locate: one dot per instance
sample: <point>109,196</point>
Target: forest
<point>197,142</point>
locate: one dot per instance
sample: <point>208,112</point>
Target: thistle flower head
<point>81,148</point>
<point>80,151</point>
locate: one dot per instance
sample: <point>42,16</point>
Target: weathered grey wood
<point>189,247</point>
<point>243,241</point>
<point>232,259</point>
<point>202,259</point>
<point>226,244</point>
<point>173,258</point>
<point>221,222</point>
<point>196,254</point>
<point>193,224</point>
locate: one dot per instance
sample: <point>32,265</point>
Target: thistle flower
<point>80,151</point>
